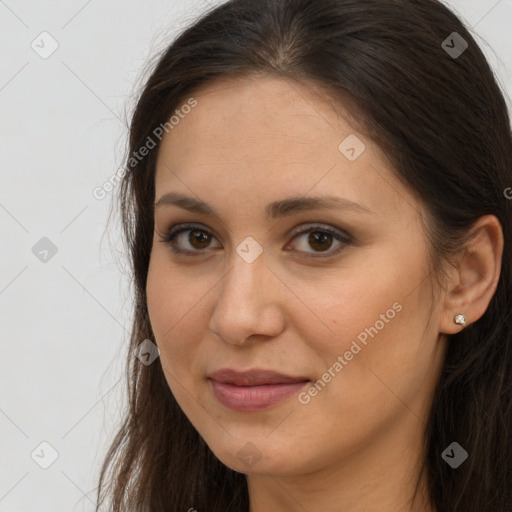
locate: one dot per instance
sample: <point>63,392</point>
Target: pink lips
<point>253,390</point>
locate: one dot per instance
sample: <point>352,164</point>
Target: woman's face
<point>335,295</point>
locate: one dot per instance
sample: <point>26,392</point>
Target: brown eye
<point>194,240</point>
<point>320,239</point>
<point>200,238</point>
<point>195,243</point>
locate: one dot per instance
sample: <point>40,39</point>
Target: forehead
<point>263,107</point>
<point>259,139</point>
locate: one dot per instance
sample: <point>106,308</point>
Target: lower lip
<point>253,398</point>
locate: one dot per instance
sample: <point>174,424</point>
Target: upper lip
<point>256,377</point>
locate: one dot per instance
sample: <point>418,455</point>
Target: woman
<point>319,227</point>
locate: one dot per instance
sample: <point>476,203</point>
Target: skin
<point>356,445</point>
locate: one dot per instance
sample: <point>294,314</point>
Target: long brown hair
<point>442,120</point>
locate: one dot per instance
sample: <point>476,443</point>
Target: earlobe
<point>475,280</point>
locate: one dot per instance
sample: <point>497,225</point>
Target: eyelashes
<point>319,235</point>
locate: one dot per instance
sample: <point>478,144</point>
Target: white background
<point>65,323</point>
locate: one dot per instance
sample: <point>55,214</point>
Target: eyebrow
<point>277,209</point>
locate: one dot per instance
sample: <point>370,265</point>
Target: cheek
<point>176,305</point>
<point>346,307</point>
<point>375,322</point>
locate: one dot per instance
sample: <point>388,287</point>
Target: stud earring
<point>459,319</point>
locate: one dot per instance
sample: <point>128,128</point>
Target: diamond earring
<point>459,319</point>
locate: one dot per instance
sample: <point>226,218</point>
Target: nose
<point>248,303</point>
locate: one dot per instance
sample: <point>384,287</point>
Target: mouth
<point>253,390</point>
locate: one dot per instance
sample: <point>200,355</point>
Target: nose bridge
<point>246,300</point>
<point>243,277</point>
<point>247,270</point>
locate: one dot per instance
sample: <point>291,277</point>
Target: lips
<point>254,377</point>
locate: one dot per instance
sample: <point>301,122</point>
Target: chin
<point>258,457</point>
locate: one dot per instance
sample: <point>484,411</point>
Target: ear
<point>474,281</point>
